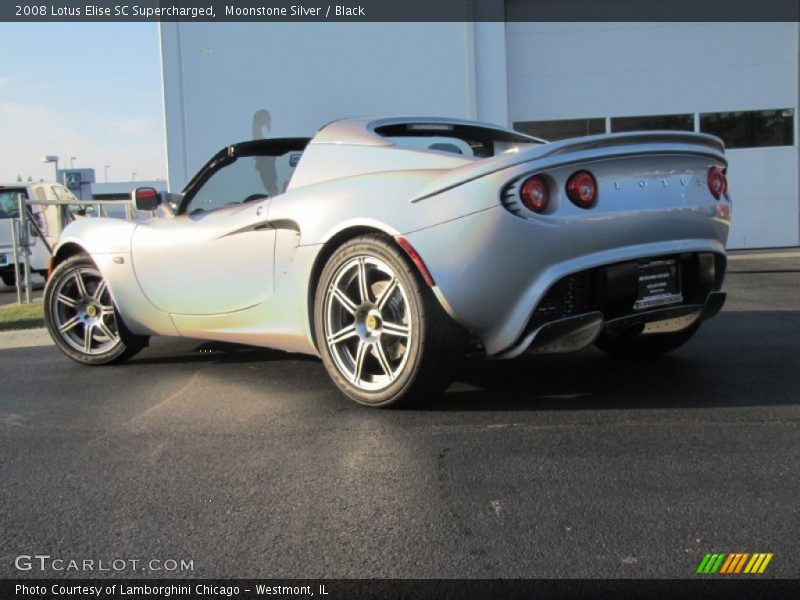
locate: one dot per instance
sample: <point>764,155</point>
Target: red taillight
<point>534,194</point>
<point>582,189</point>
<point>717,182</point>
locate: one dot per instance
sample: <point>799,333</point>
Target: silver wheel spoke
<point>87,338</point>
<point>361,354</point>
<point>342,335</point>
<point>380,354</point>
<point>363,289</point>
<point>365,332</point>
<point>101,325</point>
<point>73,305</point>
<point>79,283</point>
<point>344,300</point>
<point>101,288</point>
<point>396,329</point>
<point>64,299</point>
<point>387,293</point>
<point>67,325</point>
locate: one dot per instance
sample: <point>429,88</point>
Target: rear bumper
<point>493,270</point>
<point>570,334</point>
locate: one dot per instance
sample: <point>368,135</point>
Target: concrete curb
<point>733,256</point>
<point>24,338</point>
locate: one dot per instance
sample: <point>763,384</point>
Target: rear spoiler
<point>554,154</point>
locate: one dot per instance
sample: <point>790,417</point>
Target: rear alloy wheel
<point>382,335</point>
<point>80,315</point>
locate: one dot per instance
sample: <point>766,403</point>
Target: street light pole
<point>53,159</point>
<point>71,162</point>
<point>133,176</point>
<point>106,169</point>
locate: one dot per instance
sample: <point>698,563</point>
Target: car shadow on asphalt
<point>582,381</point>
<point>741,359</point>
<point>220,352</point>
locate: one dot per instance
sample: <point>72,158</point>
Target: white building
<point>736,80</point>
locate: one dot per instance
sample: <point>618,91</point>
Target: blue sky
<point>89,90</point>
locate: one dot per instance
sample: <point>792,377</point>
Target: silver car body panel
<point>244,273</point>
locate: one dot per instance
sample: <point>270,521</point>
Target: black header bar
<point>276,11</point>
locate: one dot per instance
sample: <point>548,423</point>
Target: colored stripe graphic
<point>764,564</point>
<point>754,563</point>
<point>717,564</point>
<point>704,563</point>
<point>728,563</point>
<point>714,562</point>
<point>741,562</point>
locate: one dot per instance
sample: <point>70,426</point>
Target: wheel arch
<point>65,251</point>
<point>70,249</point>
<point>328,248</point>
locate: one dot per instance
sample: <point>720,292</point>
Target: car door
<point>217,255</point>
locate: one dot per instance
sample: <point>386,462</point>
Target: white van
<point>47,219</point>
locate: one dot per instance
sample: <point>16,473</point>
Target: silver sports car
<point>391,248</point>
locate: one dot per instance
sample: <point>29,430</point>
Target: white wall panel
<point>217,76</point>
<point>763,187</point>
<point>581,70</point>
<point>565,70</point>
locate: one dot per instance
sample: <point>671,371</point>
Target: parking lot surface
<point>250,464</point>
<point>8,295</point>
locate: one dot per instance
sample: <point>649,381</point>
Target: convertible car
<point>391,248</point>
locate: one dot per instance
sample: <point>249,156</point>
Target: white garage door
<point>569,79</point>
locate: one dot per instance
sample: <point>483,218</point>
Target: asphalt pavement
<point>249,463</point>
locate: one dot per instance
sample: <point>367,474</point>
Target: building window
<point>653,122</point>
<point>562,129</point>
<point>751,128</point>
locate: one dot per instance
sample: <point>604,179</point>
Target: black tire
<point>399,370</point>
<point>67,324</point>
<point>9,279</point>
<point>644,346</point>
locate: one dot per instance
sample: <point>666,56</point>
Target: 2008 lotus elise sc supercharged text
<point>391,247</point>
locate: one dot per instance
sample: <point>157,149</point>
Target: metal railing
<point>20,249</point>
<point>25,228</point>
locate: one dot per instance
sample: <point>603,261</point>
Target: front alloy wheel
<point>382,336</point>
<point>80,315</point>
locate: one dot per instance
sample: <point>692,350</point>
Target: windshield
<point>9,208</point>
<point>245,179</point>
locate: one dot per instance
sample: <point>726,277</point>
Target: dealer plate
<point>659,284</point>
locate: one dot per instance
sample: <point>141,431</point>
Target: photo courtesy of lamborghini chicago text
<point>370,300</point>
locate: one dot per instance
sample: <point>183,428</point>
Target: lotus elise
<point>391,248</point>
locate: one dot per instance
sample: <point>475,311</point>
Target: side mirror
<point>146,199</point>
<point>171,202</point>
